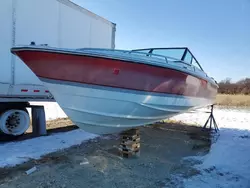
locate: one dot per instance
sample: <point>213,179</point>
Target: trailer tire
<point>14,122</point>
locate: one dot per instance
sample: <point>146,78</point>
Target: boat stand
<point>211,121</point>
<point>130,143</point>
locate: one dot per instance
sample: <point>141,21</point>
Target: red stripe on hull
<point>115,73</point>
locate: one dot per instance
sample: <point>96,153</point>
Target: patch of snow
<point>14,153</point>
<point>217,179</point>
<point>228,162</point>
<point>225,118</point>
<point>52,110</point>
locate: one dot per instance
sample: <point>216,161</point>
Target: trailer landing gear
<point>38,120</point>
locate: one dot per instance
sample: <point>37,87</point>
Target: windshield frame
<point>186,51</point>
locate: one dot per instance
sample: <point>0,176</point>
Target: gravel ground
<point>96,163</point>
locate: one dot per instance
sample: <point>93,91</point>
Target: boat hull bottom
<point>101,130</point>
<point>105,110</point>
<point>100,124</point>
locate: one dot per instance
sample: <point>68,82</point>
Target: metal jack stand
<point>212,121</point>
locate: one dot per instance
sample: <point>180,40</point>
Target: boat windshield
<point>182,54</point>
<point>175,53</point>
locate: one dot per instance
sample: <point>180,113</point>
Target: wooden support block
<point>130,137</point>
<point>132,147</point>
<point>130,143</point>
<point>130,153</point>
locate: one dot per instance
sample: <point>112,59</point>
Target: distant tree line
<point>240,87</point>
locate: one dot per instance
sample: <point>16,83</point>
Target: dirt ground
<point>96,163</point>
<point>54,124</point>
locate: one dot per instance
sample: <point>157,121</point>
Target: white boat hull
<point>103,110</point>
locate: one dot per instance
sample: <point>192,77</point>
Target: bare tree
<point>240,87</point>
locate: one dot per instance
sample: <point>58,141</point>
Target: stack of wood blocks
<point>130,143</point>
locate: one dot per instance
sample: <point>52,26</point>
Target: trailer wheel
<point>14,122</point>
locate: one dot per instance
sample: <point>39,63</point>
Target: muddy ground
<point>97,163</point>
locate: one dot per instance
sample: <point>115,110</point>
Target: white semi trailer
<point>58,23</point>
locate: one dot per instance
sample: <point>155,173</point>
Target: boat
<point>107,91</point>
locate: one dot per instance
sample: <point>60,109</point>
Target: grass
<point>233,100</point>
